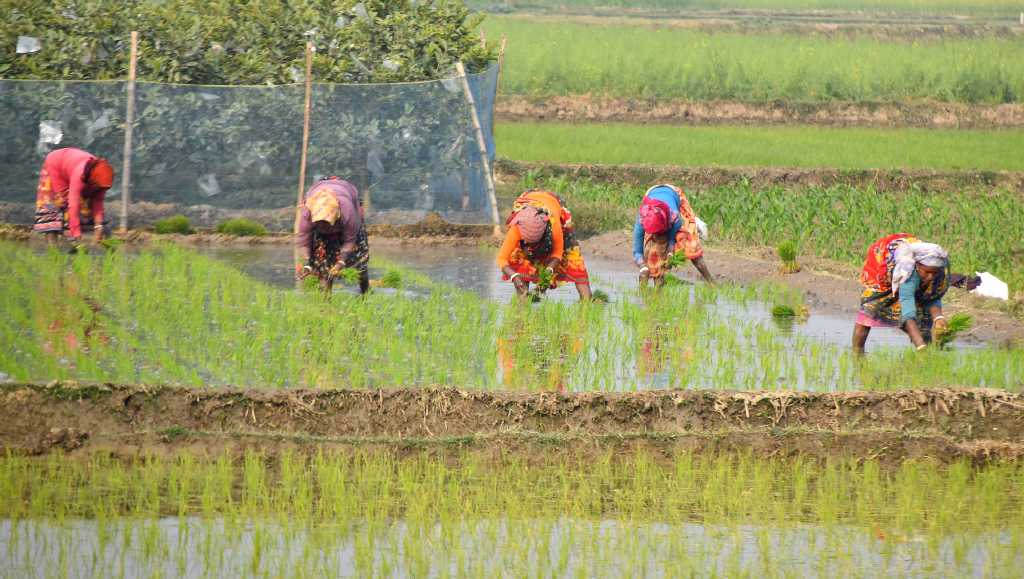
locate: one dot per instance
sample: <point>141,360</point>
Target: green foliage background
<point>236,42</point>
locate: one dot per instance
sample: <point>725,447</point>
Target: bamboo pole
<point>483,38</point>
<point>497,78</point>
<point>483,147</point>
<point>305,147</point>
<point>129,122</point>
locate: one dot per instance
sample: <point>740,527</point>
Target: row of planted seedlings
<point>325,514</point>
<point>170,316</point>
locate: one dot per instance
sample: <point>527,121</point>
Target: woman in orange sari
<point>540,235</point>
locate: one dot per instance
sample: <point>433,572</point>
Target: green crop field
<point>860,148</point>
<point>370,515</point>
<point>174,317</point>
<point>1004,8</point>
<point>550,57</point>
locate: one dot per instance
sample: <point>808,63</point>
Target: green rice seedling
<point>176,224</point>
<point>787,252</point>
<point>111,244</point>
<point>957,323</point>
<point>599,295</point>
<point>242,227</point>
<point>672,280</point>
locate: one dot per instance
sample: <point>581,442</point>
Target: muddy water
<point>473,269</point>
<point>195,547</point>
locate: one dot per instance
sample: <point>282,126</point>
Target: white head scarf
<point>909,254</point>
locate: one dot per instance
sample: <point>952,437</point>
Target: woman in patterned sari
<point>331,234</point>
<point>540,235</point>
<point>904,280</point>
<point>666,224</point>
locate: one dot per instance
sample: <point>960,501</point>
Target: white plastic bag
<point>991,286</point>
<point>702,228</point>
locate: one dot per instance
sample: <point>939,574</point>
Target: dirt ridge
<point>943,423</point>
<point>889,114</point>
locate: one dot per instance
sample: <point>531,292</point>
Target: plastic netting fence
<point>218,152</point>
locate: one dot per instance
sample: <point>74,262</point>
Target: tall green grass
<point>854,148</point>
<point>1004,8</point>
<point>172,317</point>
<point>569,57</point>
<point>372,515</point>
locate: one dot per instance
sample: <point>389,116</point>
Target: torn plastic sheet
<point>360,10</point>
<point>28,45</point>
<point>208,185</point>
<point>207,96</point>
<point>50,133</point>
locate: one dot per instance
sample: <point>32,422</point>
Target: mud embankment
<point>702,177</point>
<point>134,420</point>
<point>594,109</point>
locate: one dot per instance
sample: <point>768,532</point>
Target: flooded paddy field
<point>211,419</point>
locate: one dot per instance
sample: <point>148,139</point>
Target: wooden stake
<point>129,122</point>
<point>497,78</point>
<point>483,38</point>
<point>483,147</point>
<point>305,146</point>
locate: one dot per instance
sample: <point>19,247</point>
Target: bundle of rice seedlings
<point>545,278</point>
<point>678,258</point>
<point>111,243</point>
<point>784,311</point>
<point>310,283</point>
<point>600,296</point>
<point>350,275</point>
<point>787,252</point>
<point>954,325</point>
<point>391,279</point>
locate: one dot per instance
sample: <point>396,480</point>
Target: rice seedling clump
<point>176,224</point>
<point>241,227</point>
<point>787,252</point>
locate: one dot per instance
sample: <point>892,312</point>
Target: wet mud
<point>134,420</point>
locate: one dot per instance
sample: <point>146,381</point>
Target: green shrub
<point>177,224</point>
<point>242,228</point>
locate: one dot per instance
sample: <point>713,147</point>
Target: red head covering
<point>532,224</point>
<point>99,174</point>
<point>654,216</point>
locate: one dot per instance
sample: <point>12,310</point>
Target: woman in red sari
<point>72,185</point>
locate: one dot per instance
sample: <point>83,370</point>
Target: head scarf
<point>532,224</point>
<point>654,216</point>
<point>908,255</point>
<point>99,174</point>
<point>324,206</point>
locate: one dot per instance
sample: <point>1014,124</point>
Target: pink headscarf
<point>654,216</point>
